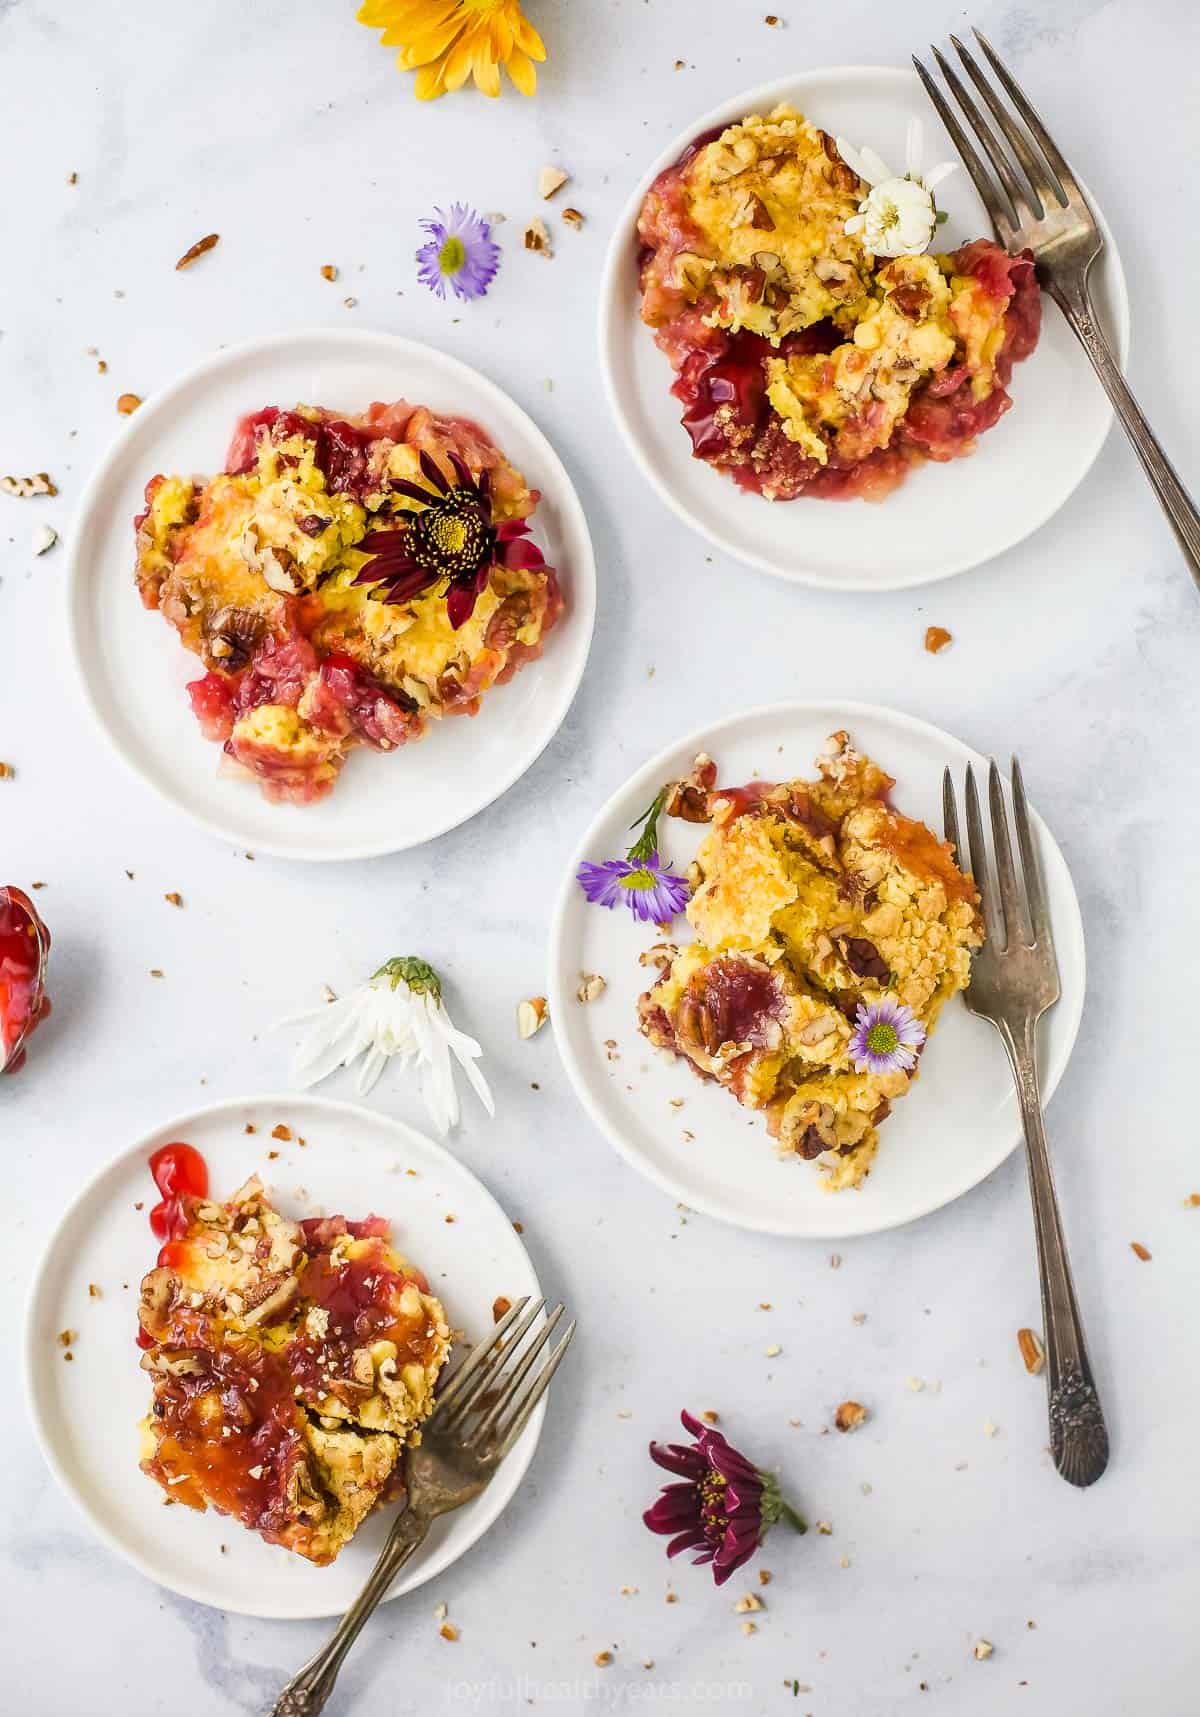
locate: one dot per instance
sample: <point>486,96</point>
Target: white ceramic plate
<point>86,1413</point>
<point>944,518</point>
<point>957,1124</point>
<point>134,668</point>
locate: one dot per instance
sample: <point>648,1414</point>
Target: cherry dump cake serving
<point>290,1362</point>
<point>345,582</point>
<point>808,362</point>
<point>830,929</point>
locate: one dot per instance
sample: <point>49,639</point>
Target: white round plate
<point>86,1414</point>
<point>955,1126</point>
<point>944,518</point>
<point>134,668</point>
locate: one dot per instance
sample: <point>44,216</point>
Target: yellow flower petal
<point>487,73</point>
<point>521,70</point>
<point>527,38</point>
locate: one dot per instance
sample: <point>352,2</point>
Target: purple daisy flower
<point>886,1037</point>
<point>723,1508</point>
<point>461,252</point>
<point>652,891</point>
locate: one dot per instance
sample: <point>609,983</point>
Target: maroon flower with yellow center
<point>453,538</point>
<point>724,1507</point>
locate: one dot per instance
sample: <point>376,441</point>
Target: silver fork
<point>1035,203</point>
<point>1014,980</point>
<point>480,1413</point>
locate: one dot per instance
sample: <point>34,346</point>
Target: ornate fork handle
<point>1074,301</point>
<point>308,1690</point>
<point>1078,1434</point>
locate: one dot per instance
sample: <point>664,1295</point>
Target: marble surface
<point>285,128</point>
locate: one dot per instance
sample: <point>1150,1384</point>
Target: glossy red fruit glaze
<point>24,942</point>
<point>213,700</point>
<point>730,377</point>
<point>279,670</point>
<point>179,1172</point>
<point>341,449</point>
<point>378,716</point>
<point>738,998</point>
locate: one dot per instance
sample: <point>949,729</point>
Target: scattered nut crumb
<point>773,1351</point>
<point>1140,1251</point>
<point>749,1601</point>
<point>916,1384</point>
<point>591,986</point>
<point>1192,1201</point>
<point>72,178</point>
<point>602,1659</point>
<point>709,1417</point>
<point>749,1627</point>
<point>157,972</point>
<point>858,1317</point>
<point>448,1631</point>
<point>101,367</point>
<point>94,1292</point>
<point>773,20</point>
<point>44,539</point>
<point>281,1132</point>
<point>843,1561</point>
<point>518,1228</point>
<point>835,1260</point>
<point>349,303</point>
<point>198,249</point>
<point>573,218</point>
<point>41,483</point>
<point>440,1613</point>
<point>271,1156</point>
<point>173,899</point>
<point>1032,1351</point>
<point>679,65</point>
<point>500,1308</point>
<point>628,1591</point>
<point>328,271</point>
<point>532,1016</point>
<point>537,237</point>
<point>824,1528</point>
<point>983,1648</point>
<point>66,1337</point>
<point>550,180</point>
<point>850,1415</point>
<point>936,639</point>
<point>6,772</point>
<point>250,1127</point>
<point>128,403</point>
<point>989,1429</point>
<point>672,1597</point>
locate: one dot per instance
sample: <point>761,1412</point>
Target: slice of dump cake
<point>345,582</point>
<point>290,1363</point>
<point>815,901</point>
<point>806,364</point>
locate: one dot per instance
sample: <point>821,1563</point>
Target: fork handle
<point>1078,1434</point>
<point>307,1692</point>
<point>1076,305</point>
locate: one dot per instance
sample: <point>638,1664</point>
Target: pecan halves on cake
<point>233,635</point>
<point>689,799</point>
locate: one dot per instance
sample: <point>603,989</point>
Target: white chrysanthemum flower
<point>400,1012</point>
<point>898,215</point>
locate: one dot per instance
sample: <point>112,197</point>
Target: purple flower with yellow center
<point>650,889</point>
<point>886,1037</point>
<point>461,253</point>
<point>723,1508</point>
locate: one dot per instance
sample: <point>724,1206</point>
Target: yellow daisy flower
<point>447,41</point>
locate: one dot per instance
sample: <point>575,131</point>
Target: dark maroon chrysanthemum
<point>724,1506</point>
<point>453,537</point>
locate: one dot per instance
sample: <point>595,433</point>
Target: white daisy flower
<point>898,215</point>
<point>400,1012</point>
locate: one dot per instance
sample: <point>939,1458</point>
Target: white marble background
<point>286,129</point>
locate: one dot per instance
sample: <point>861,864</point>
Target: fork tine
<point>950,815</point>
<point>989,142</point>
<point>989,193</point>
<point>515,1378</point>
<point>536,1390</point>
<point>1035,171</point>
<point>1035,887</point>
<point>979,861</point>
<point>1054,155</point>
<point>1016,919</point>
<point>502,1352</point>
<point>482,1360</point>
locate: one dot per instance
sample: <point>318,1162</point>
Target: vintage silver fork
<point>1014,979</point>
<point>480,1413</point>
<point>1035,203</point>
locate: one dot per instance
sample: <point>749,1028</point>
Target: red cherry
<point>177,1169</point>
